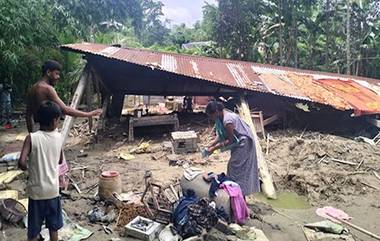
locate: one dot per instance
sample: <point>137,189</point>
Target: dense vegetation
<point>333,35</point>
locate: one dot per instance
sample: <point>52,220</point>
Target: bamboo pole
<point>89,96</point>
<point>267,187</point>
<point>69,120</point>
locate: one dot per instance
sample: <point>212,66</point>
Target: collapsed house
<point>318,166</point>
<point>258,90</point>
<point>124,71</point>
<point>118,71</point>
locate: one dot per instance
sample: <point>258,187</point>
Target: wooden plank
<point>151,121</point>
<point>156,118</point>
<point>69,120</point>
<point>257,116</point>
<point>131,135</point>
<point>267,187</point>
<point>271,119</point>
<point>262,124</point>
<point>142,122</point>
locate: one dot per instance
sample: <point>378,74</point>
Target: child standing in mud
<point>44,149</point>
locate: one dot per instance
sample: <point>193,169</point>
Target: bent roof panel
<point>284,81</point>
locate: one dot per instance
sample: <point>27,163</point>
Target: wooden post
<point>267,187</point>
<point>69,120</point>
<point>116,107</point>
<point>100,125</point>
<point>89,96</point>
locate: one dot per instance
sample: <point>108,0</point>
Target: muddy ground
<point>299,160</point>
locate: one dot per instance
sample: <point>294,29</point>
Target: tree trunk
<point>348,37</point>
<point>294,34</point>
<point>328,33</point>
<point>281,34</point>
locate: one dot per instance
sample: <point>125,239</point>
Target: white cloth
<point>191,173</point>
<point>43,165</point>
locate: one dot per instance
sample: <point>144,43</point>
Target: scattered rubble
<point>323,167</point>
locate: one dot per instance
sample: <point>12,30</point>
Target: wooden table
<point>152,121</point>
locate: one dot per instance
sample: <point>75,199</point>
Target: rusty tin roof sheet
<point>342,92</point>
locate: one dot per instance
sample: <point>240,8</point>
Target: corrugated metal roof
<point>321,87</point>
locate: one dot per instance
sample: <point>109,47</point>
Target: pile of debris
<point>81,130</point>
<point>163,212</point>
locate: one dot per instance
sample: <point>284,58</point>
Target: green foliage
<point>154,31</point>
<point>310,34</point>
<point>26,36</point>
<point>125,37</point>
<point>90,16</point>
<point>32,30</point>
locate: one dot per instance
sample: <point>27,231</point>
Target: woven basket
<point>12,210</point>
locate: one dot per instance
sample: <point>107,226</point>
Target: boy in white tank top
<point>44,149</point>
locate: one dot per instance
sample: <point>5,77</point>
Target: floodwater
<point>286,200</point>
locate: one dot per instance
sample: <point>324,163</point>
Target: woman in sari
<point>234,134</point>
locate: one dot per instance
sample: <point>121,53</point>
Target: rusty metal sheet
<point>289,82</point>
<point>229,73</point>
<point>317,92</point>
<point>280,84</point>
<point>363,100</point>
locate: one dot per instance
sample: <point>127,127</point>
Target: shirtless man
<point>44,90</point>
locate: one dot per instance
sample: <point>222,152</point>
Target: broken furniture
<point>201,189</point>
<point>158,200</point>
<point>184,141</point>
<point>152,121</point>
<point>260,122</point>
<point>143,228</point>
<point>374,141</point>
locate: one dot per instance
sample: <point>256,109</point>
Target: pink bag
<point>62,170</point>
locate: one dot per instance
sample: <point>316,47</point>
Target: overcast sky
<point>184,11</point>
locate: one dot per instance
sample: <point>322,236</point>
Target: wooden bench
<point>152,121</point>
